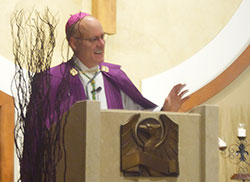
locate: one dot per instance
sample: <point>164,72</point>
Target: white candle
<point>221,143</point>
<point>241,131</point>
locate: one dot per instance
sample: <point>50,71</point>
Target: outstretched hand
<point>174,100</point>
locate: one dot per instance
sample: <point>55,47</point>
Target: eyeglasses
<point>95,39</point>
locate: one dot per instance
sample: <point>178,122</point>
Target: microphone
<point>96,90</point>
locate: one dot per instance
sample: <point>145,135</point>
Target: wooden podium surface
<point>92,140</point>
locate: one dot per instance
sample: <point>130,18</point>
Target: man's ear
<point>73,43</point>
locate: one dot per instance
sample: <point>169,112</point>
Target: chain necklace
<point>91,81</point>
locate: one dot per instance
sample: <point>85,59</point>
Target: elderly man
<point>84,77</point>
<point>101,81</point>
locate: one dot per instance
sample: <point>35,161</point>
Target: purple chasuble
<point>62,78</point>
<point>61,87</point>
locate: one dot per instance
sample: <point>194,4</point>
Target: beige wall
<point>153,36</point>
<point>234,108</point>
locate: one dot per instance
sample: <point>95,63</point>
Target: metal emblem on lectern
<point>149,147</point>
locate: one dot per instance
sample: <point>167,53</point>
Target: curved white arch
<point>206,64</point>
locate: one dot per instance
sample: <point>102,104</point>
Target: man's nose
<point>101,42</point>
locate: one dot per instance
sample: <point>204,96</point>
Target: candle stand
<point>238,154</point>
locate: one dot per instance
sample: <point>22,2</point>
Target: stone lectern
<point>92,145</point>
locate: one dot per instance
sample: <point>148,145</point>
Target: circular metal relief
<point>149,133</point>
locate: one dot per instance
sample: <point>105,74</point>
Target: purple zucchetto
<point>73,19</point>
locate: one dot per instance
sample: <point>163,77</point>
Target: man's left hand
<point>174,100</point>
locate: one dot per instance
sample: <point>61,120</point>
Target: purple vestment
<point>53,93</point>
<point>114,81</point>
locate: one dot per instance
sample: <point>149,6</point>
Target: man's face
<point>89,44</point>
